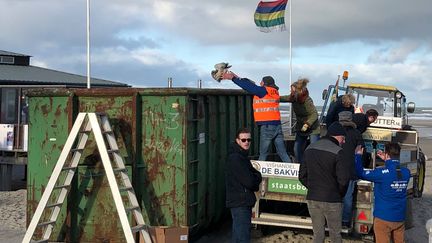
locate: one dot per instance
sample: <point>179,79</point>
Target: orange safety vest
<point>267,107</point>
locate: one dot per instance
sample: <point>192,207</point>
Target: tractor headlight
<point>398,95</point>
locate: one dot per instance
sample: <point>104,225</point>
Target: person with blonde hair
<point>343,103</point>
<point>307,124</point>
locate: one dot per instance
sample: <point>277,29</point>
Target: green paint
<point>291,186</point>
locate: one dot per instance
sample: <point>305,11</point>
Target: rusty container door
<point>185,139</point>
<point>48,131</point>
<point>52,114</point>
<point>94,217</point>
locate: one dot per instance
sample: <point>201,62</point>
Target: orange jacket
<point>267,107</point>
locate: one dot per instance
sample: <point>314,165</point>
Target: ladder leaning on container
<point>84,124</point>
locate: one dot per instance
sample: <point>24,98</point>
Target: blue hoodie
<point>390,192</point>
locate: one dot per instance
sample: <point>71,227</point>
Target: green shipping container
<point>174,141</point>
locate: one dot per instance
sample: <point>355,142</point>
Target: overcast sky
<point>143,42</point>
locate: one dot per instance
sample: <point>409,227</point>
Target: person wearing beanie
<point>266,113</point>
<point>353,139</point>
<point>326,176</point>
<point>307,124</point>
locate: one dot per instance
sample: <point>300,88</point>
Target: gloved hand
<point>305,127</point>
<point>220,70</point>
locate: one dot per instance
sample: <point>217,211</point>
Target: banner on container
<point>270,168</point>
<point>291,186</point>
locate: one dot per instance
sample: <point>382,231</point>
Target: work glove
<point>220,70</point>
<point>305,127</point>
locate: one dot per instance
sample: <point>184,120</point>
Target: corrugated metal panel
<point>175,140</point>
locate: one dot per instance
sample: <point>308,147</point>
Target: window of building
<point>7,60</point>
<point>8,106</point>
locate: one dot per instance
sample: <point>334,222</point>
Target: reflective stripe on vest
<point>267,107</point>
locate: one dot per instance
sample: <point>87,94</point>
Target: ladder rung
<point>107,132</point>
<point>111,151</point>
<point>40,241</point>
<point>138,228</point>
<point>77,150</point>
<point>126,188</point>
<point>129,209</point>
<point>61,186</point>
<point>116,170</point>
<point>69,168</point>
<point>53,205</point>
<point>46,223</point>
<point>85,131</point>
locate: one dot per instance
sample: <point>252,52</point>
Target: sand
<point>13,216</point>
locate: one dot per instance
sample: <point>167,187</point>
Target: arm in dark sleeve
<point>247,177</point>
<point>250,87</point>
<point>342,173</point>
<point>303,175</point>
<point>286,99</point>
<point>375,175</point>
<point>331,113</point>
<point>257,178</point>
<point>312,112</point>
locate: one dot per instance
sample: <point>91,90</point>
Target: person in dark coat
<point>343,103</point>
<point>353,138</point>
<point>326,176</point>
<point>307,124</point>
<point>242,180</point>
<point>364,120</point>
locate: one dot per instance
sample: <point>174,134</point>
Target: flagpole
<point>88,44</point>
<point>290,57</point>
<point>290,50</point>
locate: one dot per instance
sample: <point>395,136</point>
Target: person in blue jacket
<point>390,192</point>
<point>266,113</point>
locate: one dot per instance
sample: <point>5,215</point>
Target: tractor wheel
<point>421,173</point>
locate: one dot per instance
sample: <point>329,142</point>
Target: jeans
<point>321,212</point>
<point>268,133</point>
<point>300,145</point>
<point>241,224</point>
<point>348,203</point>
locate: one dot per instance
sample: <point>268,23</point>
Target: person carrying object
<point>307,124</point>
<point>266,113</point>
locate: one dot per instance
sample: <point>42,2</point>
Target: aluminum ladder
<point>86,123</point>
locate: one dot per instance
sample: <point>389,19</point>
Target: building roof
<point>31,75</point>
<point>20,72</point>
<point>8,53</point>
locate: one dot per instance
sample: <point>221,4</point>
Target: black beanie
<point>336,129</point>
<point>269,81</point>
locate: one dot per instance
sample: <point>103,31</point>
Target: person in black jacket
<point>364,120</point>
<point>242,180</point>
<point>343,103</point>
<point>326,176</point>
<point>353,138</point>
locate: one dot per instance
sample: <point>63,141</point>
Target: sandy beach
<point>13,208</point>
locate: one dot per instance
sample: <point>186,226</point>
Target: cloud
<point>398,54</point>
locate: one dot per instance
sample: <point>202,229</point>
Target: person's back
<point>326,177</point>
<point>390,193</point>
<point>266,113</point>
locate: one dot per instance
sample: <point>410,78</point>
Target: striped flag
<point>270,16</point>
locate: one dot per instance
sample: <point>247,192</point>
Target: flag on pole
<point>270,16</point>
